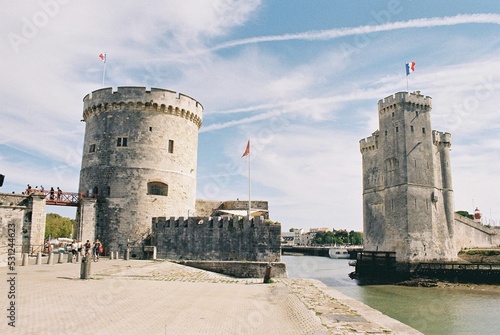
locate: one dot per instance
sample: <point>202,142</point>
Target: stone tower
<point>407,191</point>
<point>139,160</point>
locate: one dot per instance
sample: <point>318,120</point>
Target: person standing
<point>96,250</point>
<point>74,251</point>
<point>87,246</point>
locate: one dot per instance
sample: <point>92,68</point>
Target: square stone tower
<point>407,190</point>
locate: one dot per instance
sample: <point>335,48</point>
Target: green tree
<point>355,237</point>
<point>466,214</point>
<point>58,226</point>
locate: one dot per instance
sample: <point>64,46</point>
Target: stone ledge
<point>238,269</point>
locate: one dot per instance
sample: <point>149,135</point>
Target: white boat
<point>339,252</point>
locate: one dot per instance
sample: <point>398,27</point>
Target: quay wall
<point>239,269</point>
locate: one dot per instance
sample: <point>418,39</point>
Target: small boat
<point>339,252</point>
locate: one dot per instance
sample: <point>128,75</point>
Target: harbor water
<point>432,311</point>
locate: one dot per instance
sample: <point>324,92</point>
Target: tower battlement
<point>158,99</point>
<point>439,137</point>
<point>412,100</point>
<point>369,143</point>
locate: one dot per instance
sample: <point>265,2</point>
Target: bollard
<point>61,257</point>
<point>25,260</point>
<point>50,261</point>
<point>110,255</point>
<point>70,258</point>
<point>85,268</point>
<point>267,274</point>
<point>127,254</point>
<point>154,252</point>
<point>39,258</point>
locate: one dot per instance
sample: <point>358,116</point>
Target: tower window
<point>121,142</point>
<point>386,133</point>
<point>157,188</point>
<point>411,128</point>
<point>150,128</point>
<point>416,113</point>
<point>423,130</point>
<point>92,148</point>
<point>392,114</point>
<point>170,146</point>
<point>397,129</point>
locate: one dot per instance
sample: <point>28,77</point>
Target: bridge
<point>61,198</point>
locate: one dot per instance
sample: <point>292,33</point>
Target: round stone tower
<point>139,160</point>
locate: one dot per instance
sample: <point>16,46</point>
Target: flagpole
<point>249,185</point>
<point>103,69</point>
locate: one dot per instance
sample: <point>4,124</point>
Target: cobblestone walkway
<point>159,297</point>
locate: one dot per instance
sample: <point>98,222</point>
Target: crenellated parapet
<point>369,144</point>
<point>441,138</point>
<point>410,101</point>
<point>138,98</point>
<point>217,238</point>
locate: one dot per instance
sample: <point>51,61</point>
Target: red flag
<point>103,57</point>
<point>247,150</point>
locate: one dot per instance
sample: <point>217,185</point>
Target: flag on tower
<point>247,150</point>
<point>410,67</point>
<point>103,57</point>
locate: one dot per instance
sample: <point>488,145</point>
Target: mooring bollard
<point>25,260</point>
<point>85,268</point>
<point>110,255</point>
<point>70,258</point>
<point>267,274</point>
<point>127,254</point>
<point>39,258</point>
<point>61,258</point>
<point>50,261</point>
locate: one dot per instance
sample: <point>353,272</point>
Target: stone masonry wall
<point>27,215</point>
<point>240,269</point>
<point>221,239</point>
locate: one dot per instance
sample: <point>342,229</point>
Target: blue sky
<point>300,79</point>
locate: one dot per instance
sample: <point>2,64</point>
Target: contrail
<point>368,29</point>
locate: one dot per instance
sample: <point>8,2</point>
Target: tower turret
<point>407,192</point>
<point>139,160</point>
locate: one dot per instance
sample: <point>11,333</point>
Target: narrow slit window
<point>170,146</point>
<point>411,128</point>
<point>92,148</point>
<point>423,130</point>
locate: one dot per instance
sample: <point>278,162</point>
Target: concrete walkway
<point>159,297</point>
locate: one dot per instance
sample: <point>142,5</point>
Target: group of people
<point>86,249</point>
<point>52,193</point>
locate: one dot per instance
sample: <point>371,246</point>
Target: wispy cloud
<point>487,18</point>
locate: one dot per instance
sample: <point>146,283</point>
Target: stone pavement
<point>159,297</point>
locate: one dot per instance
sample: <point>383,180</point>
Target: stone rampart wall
<point>470,234</point>
<point>215,238</point>
<point>240,269</point>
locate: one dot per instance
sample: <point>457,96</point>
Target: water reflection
<point>430,310</point>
